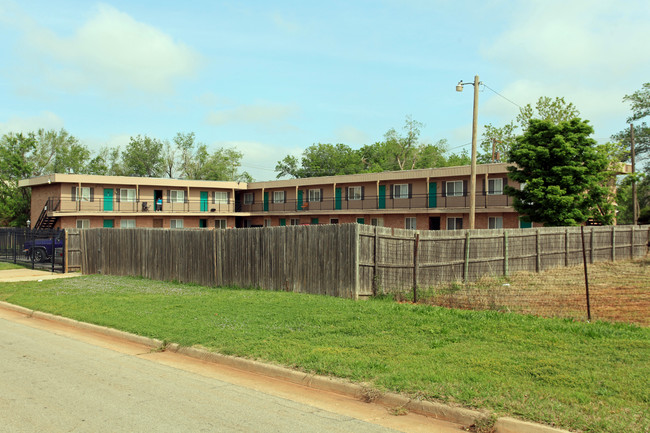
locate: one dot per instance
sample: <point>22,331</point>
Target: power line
<point>514,103</point>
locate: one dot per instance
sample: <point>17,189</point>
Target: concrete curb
<point>459,415</point>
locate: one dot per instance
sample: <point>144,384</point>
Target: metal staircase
<point>46,220</point>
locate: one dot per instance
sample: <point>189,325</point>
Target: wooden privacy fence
<point>305,259</point>
<point>347,260</point>
<point>401,259</point>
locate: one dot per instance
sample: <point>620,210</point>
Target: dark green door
<point>381,201</point>
<point>314,221</point>
<point>299,201</point>
<point>108,223</point>
<point>433,194</point>
<point>108,200</point>
<point>266,201</point>
<point>524,224</point>
<point>337,199</point>
<point>204,201</point>
<point>283,221</point>
<point>361,220</point>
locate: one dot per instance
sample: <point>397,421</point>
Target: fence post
<point>466,267</point>
<point>505,253</point>
<point>566,247</point>
<point>584,261</point>
<point>415,267</point>
<point>632,243</point>
<point>613,243</point>
<point>538,264</point>
<point>357,246</point>
<point>591,259</point>
<point>375,259</point>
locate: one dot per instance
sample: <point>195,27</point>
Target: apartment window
<point>83,224</point>
<point>267,222</point>
<point>495,186</point>
<point>220,224</point>
<point>295,221</point>
<point>127,224</point>
<point>249,197</point>
<point>82,194</point>
<point>454,223</point>
<point>354,193</point>
<point>177,196</point>
<point>401,190</point>
<point>278,196</point>
<point>410,223</point>
<point>127,194</point>
<point>334,220</point>
<point>220,197</point>
<point>454,188</point>
<point>377,222</point>
<point>176,224</point>
<point>314,195</point>
<point>495,222</point>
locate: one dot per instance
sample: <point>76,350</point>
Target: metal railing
<point>37,249</point>
<point>416,201</point>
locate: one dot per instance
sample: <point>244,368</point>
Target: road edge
<point>459,415</point>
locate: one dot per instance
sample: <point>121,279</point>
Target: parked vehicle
<point>41,249</point>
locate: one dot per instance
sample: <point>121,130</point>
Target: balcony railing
<point>99,204</point>
<point>422,201</point>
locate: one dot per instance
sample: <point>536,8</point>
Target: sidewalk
<point>12,275</point>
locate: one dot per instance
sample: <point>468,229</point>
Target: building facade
<point>425,199</point>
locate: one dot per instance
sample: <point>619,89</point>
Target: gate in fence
<point>37,249</point>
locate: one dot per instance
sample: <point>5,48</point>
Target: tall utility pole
<point>472,184</point>
<point>635,211</point>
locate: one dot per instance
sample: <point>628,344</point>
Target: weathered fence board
<point>388,262</point>
<point>348,260</point>
<point>319,260</point>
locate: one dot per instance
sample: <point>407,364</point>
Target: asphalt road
<point>50,382</point>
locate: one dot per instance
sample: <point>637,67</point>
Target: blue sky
<point>271,78</point>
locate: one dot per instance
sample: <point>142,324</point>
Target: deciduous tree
<point>565,173</point>
<point>143,157</point>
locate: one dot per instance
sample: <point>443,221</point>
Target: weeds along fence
<point>304,259</point>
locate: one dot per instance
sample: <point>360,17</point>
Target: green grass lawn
<point>590,377</point>
<point>5,266</point>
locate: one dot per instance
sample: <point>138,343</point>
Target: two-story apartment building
<point>425,199</point>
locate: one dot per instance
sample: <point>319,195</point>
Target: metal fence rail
<point>38,249</point>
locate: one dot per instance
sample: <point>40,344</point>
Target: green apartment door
<point>433,194</point>
<point>266,201</point>
<point>381,200</point>
<point>299,201</point>
<point>108,199</point>
<point>337,199</point>
<point>204,201</point>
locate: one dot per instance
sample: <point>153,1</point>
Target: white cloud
<point>552,36</point>
<point>258,114</point>
<point>111,51</point>
<point>45,120</point>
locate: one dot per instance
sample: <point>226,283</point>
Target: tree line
<point>25,155</point>
<point>568,177</point>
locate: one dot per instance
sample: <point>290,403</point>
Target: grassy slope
<point>580,376</point>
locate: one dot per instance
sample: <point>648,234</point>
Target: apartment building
<point>425,199</point>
